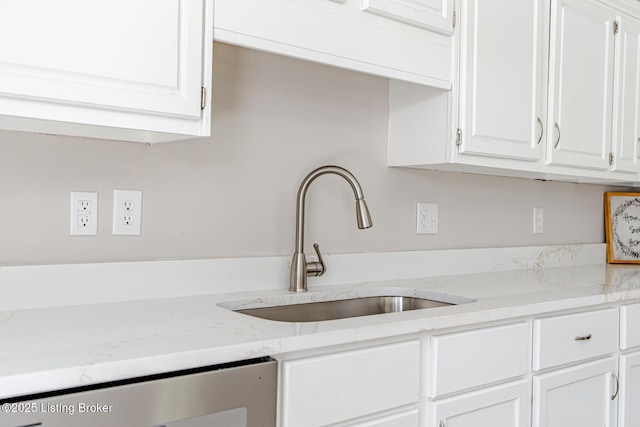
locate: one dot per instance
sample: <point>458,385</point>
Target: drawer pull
<point>584,338</point>
<point>441,424</point>
<point>617,385</point>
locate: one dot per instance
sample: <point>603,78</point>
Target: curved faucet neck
<point>302,193</point>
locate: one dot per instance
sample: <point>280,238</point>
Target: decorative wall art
<point>622,227</point>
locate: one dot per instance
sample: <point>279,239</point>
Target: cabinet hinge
<point>454,17</point>
<point>611,159</point>
<point>203,97</point>
<point>616,27</point>
<point>458,137</point>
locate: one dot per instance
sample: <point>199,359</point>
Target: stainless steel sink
<point>310,307</point>
<point>341,309</point>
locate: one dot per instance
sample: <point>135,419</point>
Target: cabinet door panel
<point>629,390</point>
<point>434,15</point>
<point>503,406</point>
<point>337,33</point>
<point>579,396</point>
<point>327,389</point>
<point>502,81</point>
<point>102,54</point>
<point>627,108</point>
<point>477,358</point>
<point>409,418</point>
<point>629,326</point>
<point>581,84</point>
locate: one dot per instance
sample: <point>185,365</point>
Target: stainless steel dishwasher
<point>241,394</point>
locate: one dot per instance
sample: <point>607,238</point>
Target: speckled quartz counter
<point>46,349</point>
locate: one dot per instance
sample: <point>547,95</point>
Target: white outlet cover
<point>427,218</point>
<point>127,212</point>
<point>83,213</point>
<point>538,220</point>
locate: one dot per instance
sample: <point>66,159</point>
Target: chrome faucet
<point>300,268</point>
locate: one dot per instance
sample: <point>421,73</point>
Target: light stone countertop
<point>47,349</point>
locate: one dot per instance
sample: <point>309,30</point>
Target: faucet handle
<point>316,268</point>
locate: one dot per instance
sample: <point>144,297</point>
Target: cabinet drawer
<point>629,326</point>
<point>574,337</point>
<point>469,359</point>
<point>326,389</point>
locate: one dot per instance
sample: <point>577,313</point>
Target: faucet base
<point>298,277</point>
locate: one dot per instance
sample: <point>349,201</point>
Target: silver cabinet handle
<point>555,126</point>
<point>441,424</point>
<point>617,385</point>
<point>541,130</point>
<point>583,338</point>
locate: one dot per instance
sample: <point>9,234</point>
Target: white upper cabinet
<point>114,69</point>
<point>494,119</point>
<point>581,85</point>
<point>406,40</point>
<point>545,89</point>
<point>436,15</point>
<point>502,81</point>
<point>626,130</point>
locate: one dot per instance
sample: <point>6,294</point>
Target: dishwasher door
<point>232,395</point>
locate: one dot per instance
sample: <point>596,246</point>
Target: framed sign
<point>622,227</point>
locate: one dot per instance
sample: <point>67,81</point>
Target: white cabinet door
<point>477,358</point>
<point>410,418</point>
<point>627,96</point>
<point>436,15</point>
<point>503,78</point>
<point>581,85</point>
<point>579,396</point>
<point>503,406</point>
<point>106,63</point>
<point>327,389</point>
<point>629,409</point>
<point>340,33</point>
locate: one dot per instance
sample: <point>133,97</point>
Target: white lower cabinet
<point>409,418</point>
<point>559,370</point>
<point>327,389</point>
<point>476,358</point>
<point>501,406</point>
<point>578,396</point>
<point>629,409</point>
<point>462,362</point>
<point>573,338</point>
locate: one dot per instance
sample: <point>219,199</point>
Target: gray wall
<point>232,195</point>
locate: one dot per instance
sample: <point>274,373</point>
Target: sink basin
<point>367,302</point>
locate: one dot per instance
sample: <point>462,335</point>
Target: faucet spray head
<point>362,215</point>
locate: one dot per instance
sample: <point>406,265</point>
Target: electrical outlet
<point>427,218</point>
<point>538,221</point>
<point>127,212</point>
<point>83,214</point>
